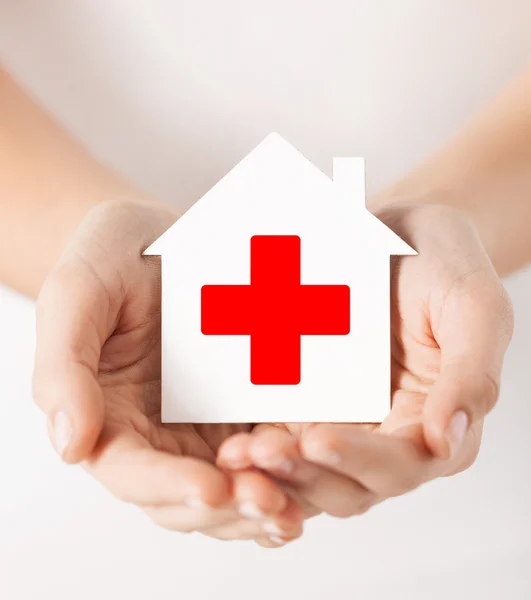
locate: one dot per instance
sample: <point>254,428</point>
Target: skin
<point>98,326</point>
<point>97,358</point>
<point>446,366</point>
<point>97,370</point>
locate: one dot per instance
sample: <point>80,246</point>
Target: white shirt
<point>173,94</point>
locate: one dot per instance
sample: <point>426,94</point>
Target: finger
<point>227,522</point>
<point>134,472</point>
<point>199,517</point>
<point>240,529</point>
<point>233,452</point>
<point>386,465</point>
<point>285,528</point>
<point>288,524</point>
<point>276,451</point>
<point>187,520</point>
<point>257,497</point>
<point>272,541</point>
<point>255,508</point>
<point>72,319</point>
<point>474,333</point>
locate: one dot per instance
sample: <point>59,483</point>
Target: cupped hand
<point>97,378</point>
<point>450,327</point>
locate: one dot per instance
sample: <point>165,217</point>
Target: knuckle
<point>317,445</point>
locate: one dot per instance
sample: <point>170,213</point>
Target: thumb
<point>72,312</point>
<point>474,332</point>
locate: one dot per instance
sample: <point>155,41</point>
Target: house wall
<point>370,324</point>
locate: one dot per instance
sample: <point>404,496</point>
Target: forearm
<point>48,182</point>
<point>486,172</point>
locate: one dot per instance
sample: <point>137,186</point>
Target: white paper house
<point>303,335</point>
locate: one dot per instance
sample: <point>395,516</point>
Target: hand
<point>97,378</point>
<point>451,325</point>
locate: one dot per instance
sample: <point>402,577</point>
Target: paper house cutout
<point>276,297</point>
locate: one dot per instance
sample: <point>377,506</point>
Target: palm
<point>129,375</point>
<point>427,294</point>
<point>121,341</point>
<point>99,337</point>
<point>450,326</point>
<point>426,301</point>
<point>415,355</point>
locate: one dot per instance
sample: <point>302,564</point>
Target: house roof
<point>275,176</point>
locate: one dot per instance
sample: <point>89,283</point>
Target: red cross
<point>275,310</point>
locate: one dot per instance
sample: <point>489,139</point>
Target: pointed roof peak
<point>277,157</point>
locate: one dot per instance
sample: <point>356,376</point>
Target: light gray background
<point>173,93</point>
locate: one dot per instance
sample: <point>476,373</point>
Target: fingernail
<point>327,457</point>
<point>273,529</point>
<point>195,503</point>
<point>62,432</point>
<point>332,458</point>
<point>250,510</point>
<point>318,452</point>
<point>285,466</point>
<point>235,461</point>
<point>277,540</point>
<point>457,431</point>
